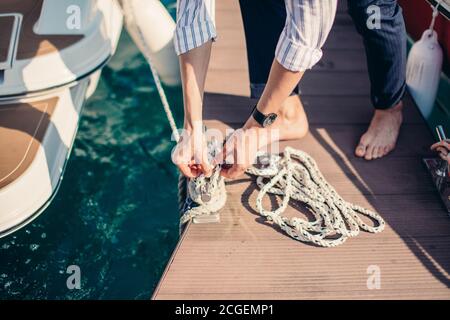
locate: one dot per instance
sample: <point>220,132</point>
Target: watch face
<point>270,119</point>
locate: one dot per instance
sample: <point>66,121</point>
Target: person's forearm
<point>193,67</point>
<point>306,29</point>
<point>279,86</point>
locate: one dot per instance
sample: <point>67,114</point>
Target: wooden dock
<point>244,257</point>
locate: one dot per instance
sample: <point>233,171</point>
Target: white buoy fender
<point>152,29</point>
<point>423,71</point>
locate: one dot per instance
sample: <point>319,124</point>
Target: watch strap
<point>259,116</point>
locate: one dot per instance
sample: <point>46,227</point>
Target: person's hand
<point>240,149</point>
<point>239,152</point>
<point>443,148</point>
<point>191,154</point>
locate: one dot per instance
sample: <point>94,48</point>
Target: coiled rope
<point>296,176</point>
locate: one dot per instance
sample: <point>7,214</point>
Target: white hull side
<point>23,199</point>
<point>71,63</point>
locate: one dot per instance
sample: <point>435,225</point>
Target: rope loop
<point>298,177</point>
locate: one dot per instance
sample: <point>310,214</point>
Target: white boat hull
<point>23,199</point>
<point>79,60</point>
<point>40,104</point>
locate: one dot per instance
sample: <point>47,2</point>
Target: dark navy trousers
<point>385,47</point>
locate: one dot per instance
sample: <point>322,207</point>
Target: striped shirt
<point>308,23</point>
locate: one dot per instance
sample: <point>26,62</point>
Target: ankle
<point>396,112</point>
<point>397,108</point>
<point>290,110</point>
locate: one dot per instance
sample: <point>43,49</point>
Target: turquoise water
<point>115,215</point>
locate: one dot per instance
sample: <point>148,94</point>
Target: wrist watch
<point>263,120</point>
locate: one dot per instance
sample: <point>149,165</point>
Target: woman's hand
<point>443,148</point>
<point>191,154</point>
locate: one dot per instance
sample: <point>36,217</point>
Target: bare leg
<point>381,137</point>
<point>292,122</point>
<point>276,99</point>
<point>279,86</point>
<point>386,62</point>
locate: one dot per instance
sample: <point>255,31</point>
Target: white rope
<point>214,190</point>
<point>132,25</point>
<point>434,15</point>
<point>206,196</point>
<point>296,176</point>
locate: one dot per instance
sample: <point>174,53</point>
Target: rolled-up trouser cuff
<point>257,89</point>
<point>385,103</point>
<point>193,36</point>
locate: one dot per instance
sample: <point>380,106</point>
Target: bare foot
<point>292,121</point>
<point>381,137</point>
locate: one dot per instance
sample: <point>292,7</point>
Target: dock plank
<point>245,257</point>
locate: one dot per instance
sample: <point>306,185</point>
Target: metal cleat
<point>207,218</point>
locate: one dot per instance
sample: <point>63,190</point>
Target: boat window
<point>9,34</point>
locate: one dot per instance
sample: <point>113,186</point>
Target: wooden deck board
<point>245,257</point>
<point>344,110</point>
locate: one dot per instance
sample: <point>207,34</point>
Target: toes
<point>380,151</point>
<point>370,148</point>
<point>383,151</point>
<point>389,148</point>
<point>376,152</point>
<point>360,150</point>
<point>369,153</point>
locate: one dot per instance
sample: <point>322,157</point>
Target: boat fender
<point>424,68</point>
<point>152,29</point>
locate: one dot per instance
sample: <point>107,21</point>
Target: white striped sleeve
<point>195,24</point>
<point>308,23</point>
